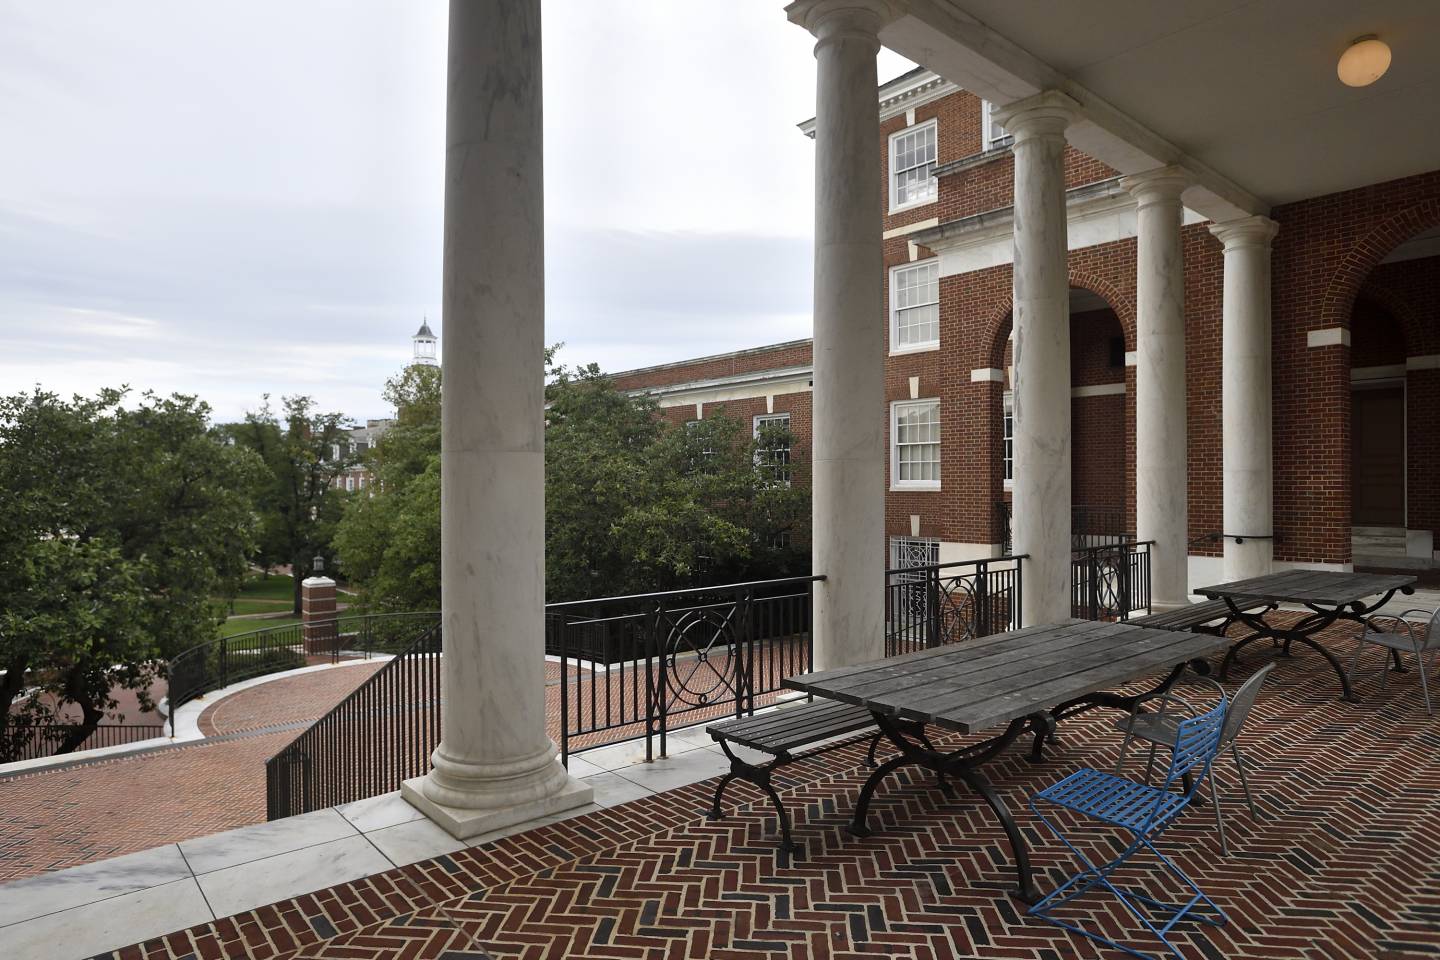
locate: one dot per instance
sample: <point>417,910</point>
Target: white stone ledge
<point>1099,390</point>
<point>1329,337</point>
<point>987,375</point>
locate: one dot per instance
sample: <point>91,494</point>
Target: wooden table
<point>1328,595</point>
<point>1023,680</point>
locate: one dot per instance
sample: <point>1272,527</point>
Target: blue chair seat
<point>1112,799</point>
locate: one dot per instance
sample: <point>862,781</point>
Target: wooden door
<point>1377,456</point>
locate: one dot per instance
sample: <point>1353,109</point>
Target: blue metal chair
<point>1145,811</point>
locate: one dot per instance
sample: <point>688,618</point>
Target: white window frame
<point>1007,439</point>
<point>350,484</point>
<point>896,347</point>
<point>895,482</point>
<point>783,419</point>
<point>988,127</point>
<point>934,193</point>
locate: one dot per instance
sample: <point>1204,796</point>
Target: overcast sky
<point>235,197</point>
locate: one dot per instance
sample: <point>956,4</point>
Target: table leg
<point>961,765</point>
<point>1302,632</point>
<point>1091,701</point>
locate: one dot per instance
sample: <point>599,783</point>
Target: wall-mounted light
<point>1364,61</point>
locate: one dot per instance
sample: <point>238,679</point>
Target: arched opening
<point>1101,422</point>
<point>1395,408</point>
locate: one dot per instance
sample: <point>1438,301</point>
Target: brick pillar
<point>317,615</point>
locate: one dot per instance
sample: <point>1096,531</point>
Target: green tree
<point>299,503</point>
<point>119,522</point>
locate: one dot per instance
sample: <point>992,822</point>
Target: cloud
<point>258,208</point>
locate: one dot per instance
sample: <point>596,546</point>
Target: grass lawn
<point>233,627</point>
<point>277,586</point>
<point>243,605</point>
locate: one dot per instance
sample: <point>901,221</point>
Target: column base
<point>463,824</point>
<point>1165,606</point>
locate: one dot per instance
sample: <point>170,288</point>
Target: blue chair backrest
<point>1196,744</point>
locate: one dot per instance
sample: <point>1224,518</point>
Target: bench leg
<point>760,777</point>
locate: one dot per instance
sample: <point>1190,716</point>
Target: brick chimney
<point>317,615</point>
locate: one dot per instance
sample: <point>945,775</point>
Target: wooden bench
<point>1198,617</point>
<point>779,734</point>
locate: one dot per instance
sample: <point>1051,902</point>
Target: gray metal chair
<point>1159,729</point>
<point>1401,638</point>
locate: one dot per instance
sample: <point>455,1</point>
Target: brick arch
<point>1410,321</point>
<point>1348,279</point>
<point>997,325</point>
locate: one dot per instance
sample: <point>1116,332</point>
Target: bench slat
<point>792,727</point>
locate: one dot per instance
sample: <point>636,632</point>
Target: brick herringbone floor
<point>1344,864</point>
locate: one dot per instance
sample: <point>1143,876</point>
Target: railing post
<point>982,599</point>
<point>1092,576</point>
<point>932,607</point>
<point>562,632</point>
<point>224,663</point>
<point>745,693</point>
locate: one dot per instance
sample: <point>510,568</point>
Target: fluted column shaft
<point>1246,396</point>
<point>848,466</point>
<point>1040,521</point>
<point>1161,508</point>
<point>495,765</point>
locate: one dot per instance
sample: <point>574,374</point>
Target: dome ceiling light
<point>1364,61</point>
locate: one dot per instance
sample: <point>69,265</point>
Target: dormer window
<point>995,135</point>
<point>912,165</point>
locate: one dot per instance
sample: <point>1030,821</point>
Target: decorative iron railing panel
<point>376,738</point>
<point>1110,582</point>
<point>631,666</point>
<point>219,663</point>
<point>30,741</point>
<point>950,602</point>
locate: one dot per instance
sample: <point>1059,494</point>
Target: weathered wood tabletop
<point>1328,588</point>
<point>979,684</point>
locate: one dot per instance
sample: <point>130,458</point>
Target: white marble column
<point>848,467</point>
<point>1161,510</point>
<point>1040,523</point>
<point>495,765</point>
<point>1245,396</point>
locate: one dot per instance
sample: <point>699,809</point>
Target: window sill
<point>916,205</point>
<point>917,348</point>
<point>914,488</point>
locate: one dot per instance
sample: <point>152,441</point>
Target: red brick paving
<point>287,700</point>
<point>1342,866</point>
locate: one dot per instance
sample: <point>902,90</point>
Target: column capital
<point>1046,114</point>
<point>1161,185</point>
<point>831,20</point>
<point>1256,231</point>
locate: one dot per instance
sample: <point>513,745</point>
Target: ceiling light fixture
<point>1364,61</point>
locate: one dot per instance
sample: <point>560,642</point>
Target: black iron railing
<point>1111,581</point>
<point>630,667</point>
<point>950,602</point>
<point>29,741</point>
<point>219,663</point>
<point>625,668</point>
<point>379,736</point>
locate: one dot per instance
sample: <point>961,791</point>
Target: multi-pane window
<point>1007,434</point>
<point>915,444</point>
<point>915,306</point>
<point>773,455</point>
<point>912,165</point>
<point>995,135</point>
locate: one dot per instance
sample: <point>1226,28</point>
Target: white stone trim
<point>1098,390</point>
<point>987,375</point>
<point>1387,372</point>
<point>738,387</point>
<point>1092,220</point>
<point>910,228</point>
<point>1329,337</point>
<point>914,388</point>
<point>1132,358</point>
<point>1429,361</point>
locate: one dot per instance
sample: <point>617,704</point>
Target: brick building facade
<point>1356,327</point>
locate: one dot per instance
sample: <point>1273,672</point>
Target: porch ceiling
<point>1243,91</point>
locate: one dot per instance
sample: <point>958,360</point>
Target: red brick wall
<point>776,357</point>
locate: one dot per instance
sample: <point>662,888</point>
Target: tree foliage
<point>119,523</point>
<point>299,504</point>
<point>633,503</point>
